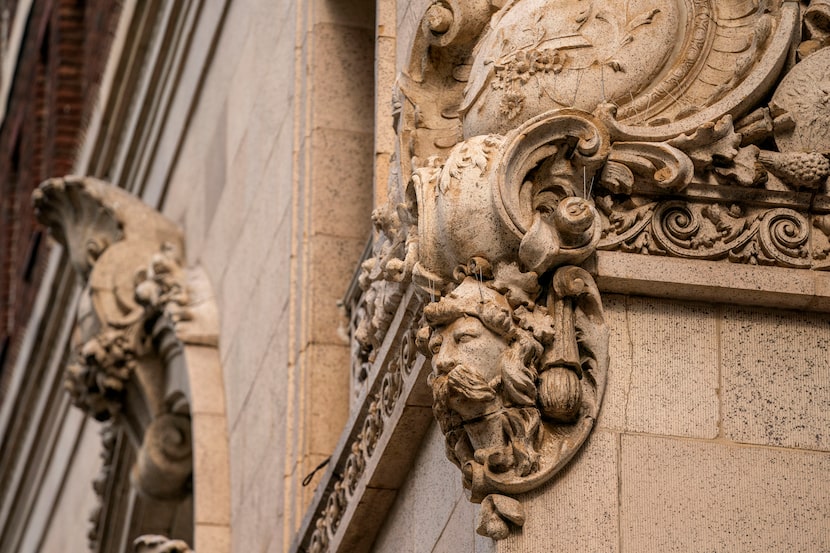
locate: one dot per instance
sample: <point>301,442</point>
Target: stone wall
<point>712,434</point>
<point>714,423</point>
<point>274,191</point>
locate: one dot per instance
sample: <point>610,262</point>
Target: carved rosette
<point>533,133</point>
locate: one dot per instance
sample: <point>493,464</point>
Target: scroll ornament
<point>129,260</point>
<point>532,133</point>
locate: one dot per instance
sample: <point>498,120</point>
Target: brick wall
<point>55,84</point>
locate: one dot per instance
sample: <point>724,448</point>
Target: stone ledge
<point>713,281</point>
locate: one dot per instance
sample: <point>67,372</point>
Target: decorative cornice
<point>362,471</point>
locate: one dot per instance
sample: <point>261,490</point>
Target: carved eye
<point>465,337</point>
<point>435,344</point>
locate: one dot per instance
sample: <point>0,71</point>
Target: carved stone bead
<point>560,394</point>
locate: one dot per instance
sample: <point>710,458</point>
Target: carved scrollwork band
<point>373,423</point>
<point>713,231</point>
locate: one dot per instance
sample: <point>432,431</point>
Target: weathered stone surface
<point>533,133</point>
<point>674,376</point>
<point>581,503</point>
<point>620,350</point>
<point>684,495</point>
<point>425,503</point>
<point>776,378</point>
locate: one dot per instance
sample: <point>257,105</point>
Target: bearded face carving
<point>517,373</point>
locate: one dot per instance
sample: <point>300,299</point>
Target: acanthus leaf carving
<point>134,277</point>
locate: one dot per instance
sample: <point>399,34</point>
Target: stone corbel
<point>514,326</point>
<point>135,292</point>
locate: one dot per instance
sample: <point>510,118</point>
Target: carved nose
<point>444,361</point>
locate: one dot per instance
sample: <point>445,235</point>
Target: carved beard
<point>500,430</point>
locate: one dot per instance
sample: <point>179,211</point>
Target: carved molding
<point>129,257</point>
<point>533,133</point>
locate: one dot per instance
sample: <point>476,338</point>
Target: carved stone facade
<point>584,249</point>
<point>533,133</point>
<point>135,296</point>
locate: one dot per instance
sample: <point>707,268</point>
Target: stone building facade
<point>415,276</point>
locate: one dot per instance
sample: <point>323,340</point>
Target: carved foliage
<point>130,259</point>
<point>504,190</point>
<point>697,230</point>
<point>379,407</point>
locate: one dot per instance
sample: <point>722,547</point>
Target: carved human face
<point>466,341</point>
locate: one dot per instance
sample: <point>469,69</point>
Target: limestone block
<point>436,489</point>
<point>343,62</point>
<point>258,432</point>
<point>209,538</point>
<point>341,183</point>
<point>211,463</point>
<point>253,316</point>
<point>682,495</point>
<point>577,509</point>
<point>612,414</point>
<point>206,391</point>
<point>426,503</point>
<point>252,310</point>
<point>328,375</point>
<point>776,377</point>
<point>241,92</point>
<point>386,16</point>
<point>674,376</point>
<point>254,522</point>
<point>398,532</point>
<point>273,23</point>
<point>273,101</point>
<point>409,19</point>
<point>459,534</point>
<point>332,262</point>
<point>385,76</point>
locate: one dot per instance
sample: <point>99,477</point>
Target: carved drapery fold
<point>532,133</point>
